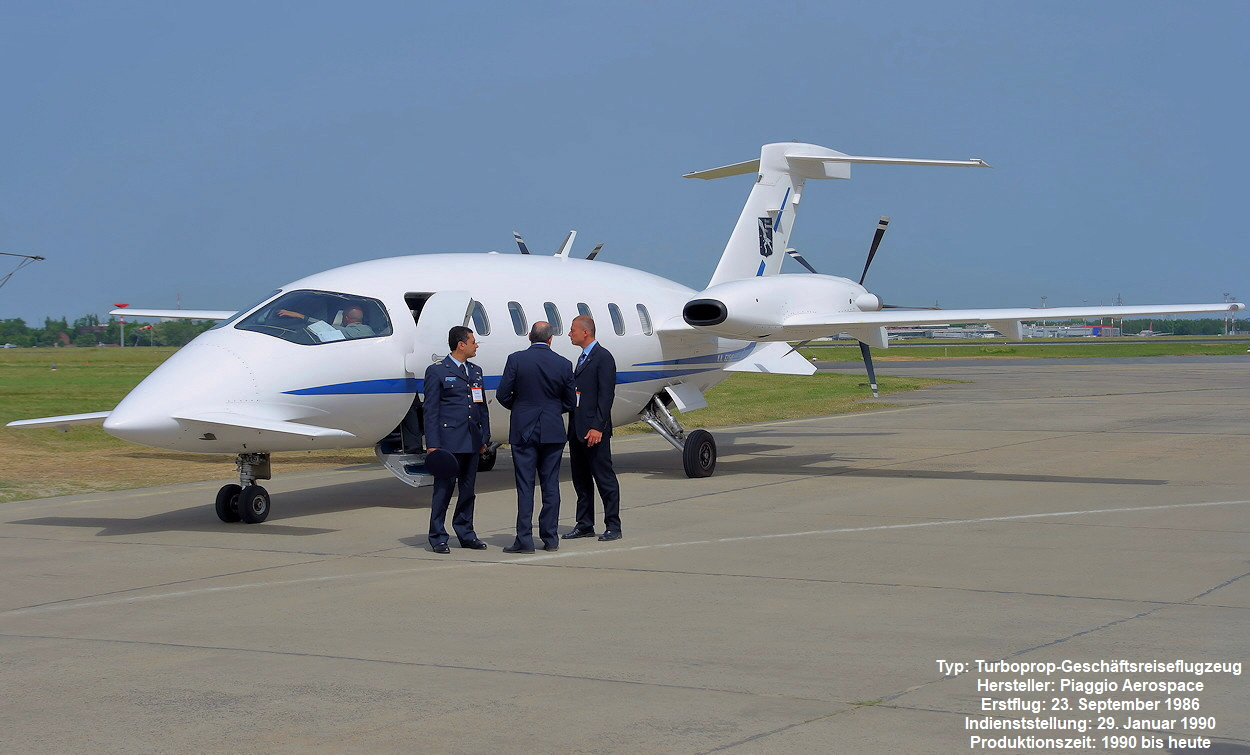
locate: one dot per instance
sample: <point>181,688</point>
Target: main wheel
<point>254,504</point>
<point>486,460</point>
<point>698,454</point>
<point>228,503</point>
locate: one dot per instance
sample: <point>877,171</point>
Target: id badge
<point>579,399</point>
<point>479,395</point>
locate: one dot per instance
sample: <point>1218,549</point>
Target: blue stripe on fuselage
<point>417,385</point>
<point>728,356</point>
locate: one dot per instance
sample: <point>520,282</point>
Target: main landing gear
<point>698,448</point>
<point>246,502</point>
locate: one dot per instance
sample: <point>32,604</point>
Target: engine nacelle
<point>755,308</point>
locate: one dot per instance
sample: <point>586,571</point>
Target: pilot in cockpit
<point>352,326</point>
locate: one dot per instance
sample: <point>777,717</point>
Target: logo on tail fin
<point>766,237</point>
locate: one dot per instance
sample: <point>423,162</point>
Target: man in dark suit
<point>456,420</point>
<point>590,434</point>
<point>537,386</point>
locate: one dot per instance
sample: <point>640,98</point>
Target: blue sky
<point>216,151</point>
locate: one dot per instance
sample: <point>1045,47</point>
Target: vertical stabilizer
<point>762,235</point>
<point>759,240</point>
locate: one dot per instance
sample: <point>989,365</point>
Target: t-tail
<point>759,240</point>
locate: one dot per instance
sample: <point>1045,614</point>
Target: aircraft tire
<point>228,503</point>
<point>254,504</point>
<point>486,461</point>
<point>698,454</point>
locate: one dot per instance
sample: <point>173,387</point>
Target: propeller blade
<point>876,241</point>
<point>593,253</point>
<point>794,255</point>
<point>872,376</point>
<point>520,242</point>
<point>906,306</point>
<point>567,246</point>
<point>799,345</point>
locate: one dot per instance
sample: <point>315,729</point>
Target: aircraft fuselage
<point>239,390</point>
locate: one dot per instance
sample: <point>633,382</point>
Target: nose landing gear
<point>247,501</point>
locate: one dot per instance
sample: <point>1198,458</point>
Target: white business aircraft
<point>294,372</point>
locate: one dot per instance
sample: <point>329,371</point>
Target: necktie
<point>581,360</point>
<point>465,369</point>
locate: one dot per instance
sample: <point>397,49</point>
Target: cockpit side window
<point>316,317</point>
<point>246,309</point>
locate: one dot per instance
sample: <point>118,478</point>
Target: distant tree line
<point>89,331</point>
<point>1205,327</point>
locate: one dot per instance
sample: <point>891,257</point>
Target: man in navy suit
<point>590,434</point>
<point>537,386</point>
<point>456,420</point>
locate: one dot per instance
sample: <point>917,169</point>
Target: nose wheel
<point>246,502</point>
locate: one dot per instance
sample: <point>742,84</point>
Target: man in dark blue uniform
<point>456,420</point>
<point>590,434</point>
<point>537,386</point>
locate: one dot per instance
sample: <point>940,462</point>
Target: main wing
<point>869,325</point>
<point>795,308</point>
<point>176,314</point>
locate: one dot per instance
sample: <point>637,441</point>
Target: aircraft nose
<point>197,376</point>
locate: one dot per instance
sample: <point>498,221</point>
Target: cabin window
<point>644,318</point>
<point>618,320</point>
<point>316,317</point>
<point>553,317</point>
<point>584,310</point>
<point>481,323</point>
<point>519,325</point>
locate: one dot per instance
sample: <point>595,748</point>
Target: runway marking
<point>542,557</point>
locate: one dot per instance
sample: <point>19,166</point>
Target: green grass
<point>750,397</point>
<point>84,380</point>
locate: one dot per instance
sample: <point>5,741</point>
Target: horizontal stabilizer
<point>62,422</point>
<point>797,158</point>
<point>737,169</point>
<point>176,314</point>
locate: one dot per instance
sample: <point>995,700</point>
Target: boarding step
<point>408,467</point>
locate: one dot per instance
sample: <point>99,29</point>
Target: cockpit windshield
<point>315,317</point>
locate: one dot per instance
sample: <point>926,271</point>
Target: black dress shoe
<point>577,532</point>
<point>517,549</point>
<point>441,548</point>
<point>476,545</point>
<point>552,547</point>
<point>610,535</point>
